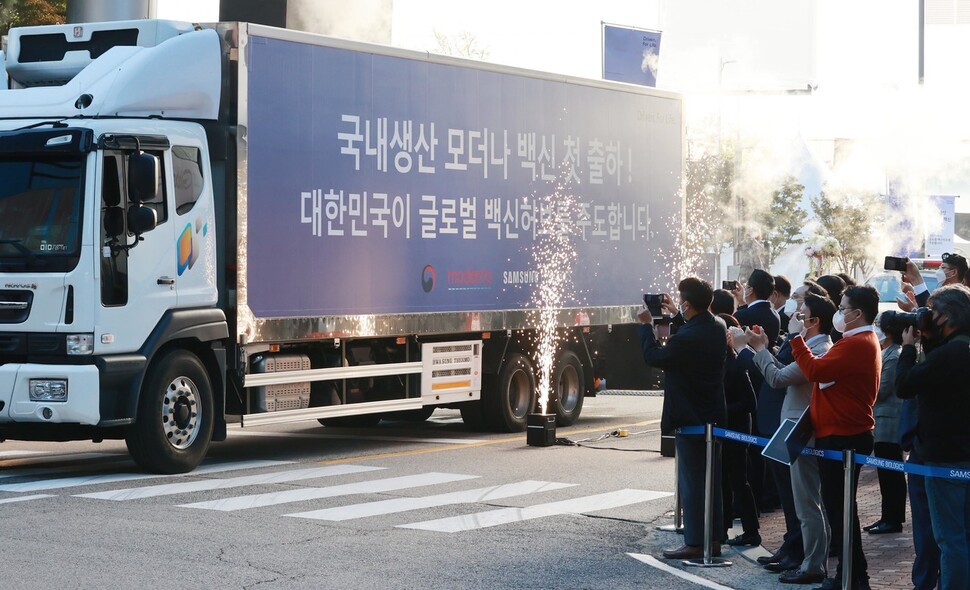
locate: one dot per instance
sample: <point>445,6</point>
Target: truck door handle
<point>166,281</point>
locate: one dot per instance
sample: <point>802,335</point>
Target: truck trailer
<point>215,226</point>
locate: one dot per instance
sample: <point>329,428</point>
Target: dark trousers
<point>735,487</point>
<point>926,565</point>
<point>892,484</point>
<point>833,485</point>
<point>691,470</point>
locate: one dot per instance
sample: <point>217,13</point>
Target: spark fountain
<point>553,254</point>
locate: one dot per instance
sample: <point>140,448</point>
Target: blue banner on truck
<point>384,185</point>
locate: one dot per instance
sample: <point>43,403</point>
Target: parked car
<point>889,286</point>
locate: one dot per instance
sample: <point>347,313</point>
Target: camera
<point>653,303</point>
<point>920,318</point>
<point>729,285</point>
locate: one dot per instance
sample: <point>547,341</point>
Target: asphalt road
<point>401,505</point>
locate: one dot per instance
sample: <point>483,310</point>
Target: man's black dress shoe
<point>872,526</point>
<point>745,540</point>
<point>883,528</point>
<point>783,566</point>
<point>800,577</point>
<point>774,558</point>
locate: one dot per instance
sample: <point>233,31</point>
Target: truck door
<point>137,273</point>
<point>194,225</point>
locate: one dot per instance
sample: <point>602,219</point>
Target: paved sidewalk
<point>890,556</point>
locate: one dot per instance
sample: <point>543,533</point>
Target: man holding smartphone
<point>693,365</point>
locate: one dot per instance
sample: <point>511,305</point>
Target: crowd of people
<point>893,386</point>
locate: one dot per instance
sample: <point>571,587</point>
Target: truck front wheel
<point>511,395</point>
<point>174,424</point>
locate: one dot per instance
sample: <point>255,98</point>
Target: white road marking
<point>396,505</point>
<point>301,494</point>
<point>653,562</point>
<point>26,498</point>
<point>440,441</point>
<point>491,518</point>
<point>87,480</point>
<point>232,482</point>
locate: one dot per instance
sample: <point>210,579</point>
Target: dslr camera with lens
<point>920,318</point>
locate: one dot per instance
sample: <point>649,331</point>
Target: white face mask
<point>941,275</point>
<point>838,322</point>
<point>879,333</point>
<point>790,307</point>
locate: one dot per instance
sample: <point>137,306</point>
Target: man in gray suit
<point>815,316</point>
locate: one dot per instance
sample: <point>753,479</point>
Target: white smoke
<point>360,20</point>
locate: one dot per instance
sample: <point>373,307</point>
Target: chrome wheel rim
<point>181,412</point>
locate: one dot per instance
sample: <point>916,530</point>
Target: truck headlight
<point>48,390</point>
<point>80,344</point>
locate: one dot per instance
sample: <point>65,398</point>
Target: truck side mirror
<point>143,177</point>
<point>141,219</point>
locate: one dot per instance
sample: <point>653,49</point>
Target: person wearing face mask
<point>693,362</point>
<point>846,381</point>
<point>771,399</point>
<point>814,321</point>
<point>952,271</point>
<point>941,386</point>
<point>886,411</point>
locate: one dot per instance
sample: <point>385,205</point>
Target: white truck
<point>233,224</point>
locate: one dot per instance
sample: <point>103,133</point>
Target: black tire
<point>569,385</point>
<point>511,396</point>
<point>473,415</point>
<point>175,415</point>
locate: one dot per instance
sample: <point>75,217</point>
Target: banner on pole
<point>630,55</point>
<point>939,231</point>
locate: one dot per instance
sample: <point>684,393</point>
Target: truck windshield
<point>40,213</point>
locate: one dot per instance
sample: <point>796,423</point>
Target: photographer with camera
<point>941,386</point>
<point>846,381</point>
<point>952,271</point>
<point>693,364</point>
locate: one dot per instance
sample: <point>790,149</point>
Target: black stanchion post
<point>848,466</point>
<point>708,560</point>
<point>678,526</point>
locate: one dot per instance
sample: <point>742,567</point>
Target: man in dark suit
<point>693,365</point>
<point>754,307</point>
<point>778,299</point>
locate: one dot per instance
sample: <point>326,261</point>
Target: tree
<point>463,44</point>
<point>781,224</point>
<point>20,13</point>
<point>846,219</point>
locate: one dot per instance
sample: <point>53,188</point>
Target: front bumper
<point>83,400</point>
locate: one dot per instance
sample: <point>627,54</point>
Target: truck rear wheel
<point>174,424</point>
<point>511,395</point>
<point>568,381</point>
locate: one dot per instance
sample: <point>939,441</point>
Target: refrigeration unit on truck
<point>231,224</point>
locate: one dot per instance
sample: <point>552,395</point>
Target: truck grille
<point>14,306</point>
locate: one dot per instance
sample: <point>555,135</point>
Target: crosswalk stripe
<point>301,494</point>
<point>232,482</point>
<point>491,518</point>
<point>654,562</point>
<point>94,479</point>
<point>26,498</point>
<point>19,454</point>
<point>396,505</point>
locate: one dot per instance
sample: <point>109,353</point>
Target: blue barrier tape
<point>866,460</point>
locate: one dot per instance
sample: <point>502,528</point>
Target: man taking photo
<point>693,365</point>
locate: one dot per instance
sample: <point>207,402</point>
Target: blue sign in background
<point>625,51</point>
<point>305,100</point>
